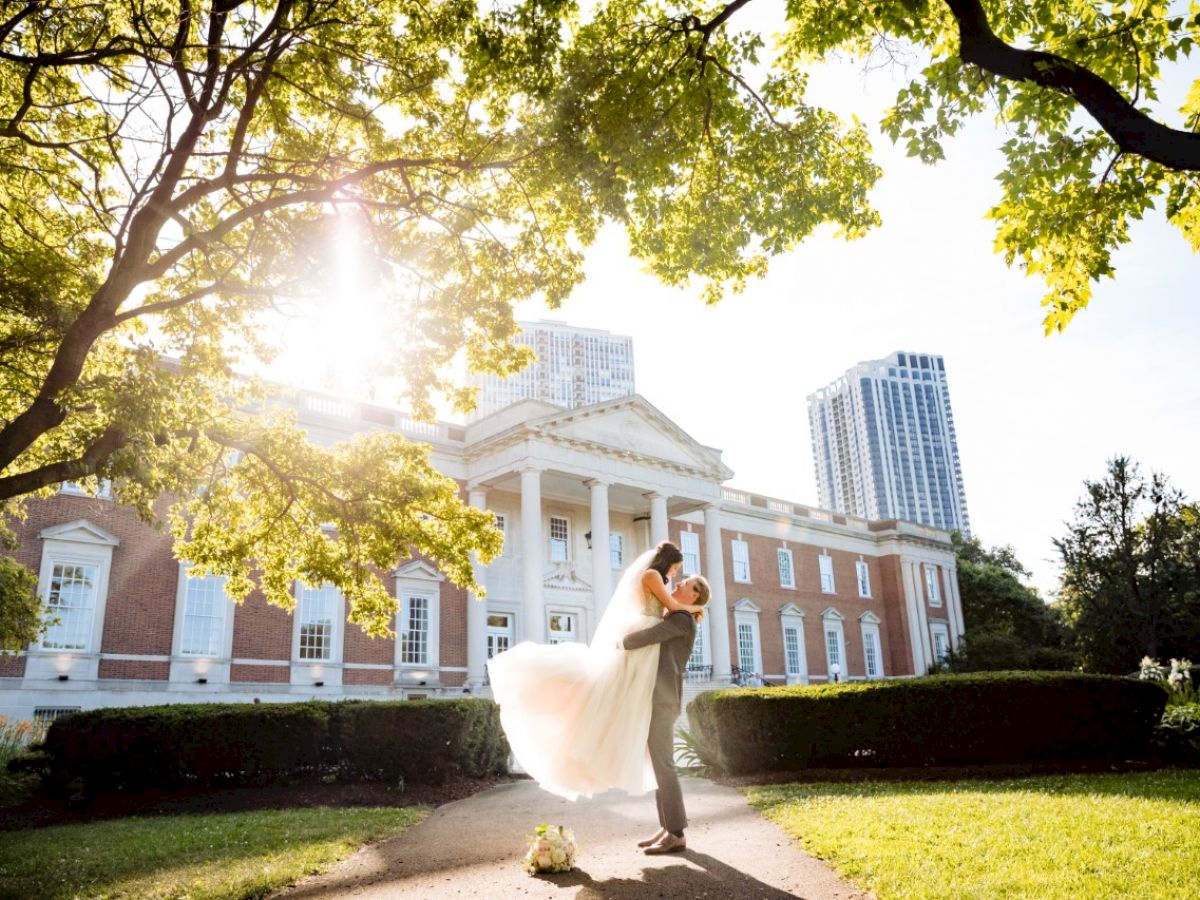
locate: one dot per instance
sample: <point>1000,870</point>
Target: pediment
<point>419,570</point>
<point>831,613</point>
<point>81,531</point>
<point>792,610</point>
<point>631,425</point>
<point>869,618</point>
<point>563,577</point>
<point>746,605</point>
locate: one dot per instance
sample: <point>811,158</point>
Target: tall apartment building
<point>884,443</point>
<point>575,367</point>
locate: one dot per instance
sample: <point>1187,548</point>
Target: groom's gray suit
<point>676,633</point>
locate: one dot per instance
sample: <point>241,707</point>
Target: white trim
<point>189,667</point>
<point>746,613</point>
<point>862,572</point>
<point>869,626</point>
<point>825,571</point>
<point>691,538</point>
<point>782,553</point>
<point>244,661</point>
<point>329,671</point>
<point>136,657</point>
<point>933,587</point>
<point>831,621</point>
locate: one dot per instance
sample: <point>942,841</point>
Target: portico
<point>580,494</point>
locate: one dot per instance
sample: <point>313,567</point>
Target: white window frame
<point>863,571</point>
<point>740,551</point>
<point>553,542</point>
<point>869,626</point>
<point>831,622</point>
<point>825,567</point>
<point>791,617</point>
<point>189,667</point>
<point>616,550</point>
<point>75,489</point>
<point>225,636</point>
<point>335,632</point>
<point>702,648</point>
<point>745,612</point>
<point>575,615</point>
<point>783,558</point>
<point>509,631</point>
<point>932,589</point>
<point>79,542</point>
<point>419,579</point>
<point>502,523</point>
<point>936,629</point>
<point>689,545</point>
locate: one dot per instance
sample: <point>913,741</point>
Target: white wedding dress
<point>577,716</point>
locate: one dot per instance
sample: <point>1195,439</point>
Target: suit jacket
<point>676,633</point>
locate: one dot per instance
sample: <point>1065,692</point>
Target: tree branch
<point>111,440</point>
<point>1132,130</point>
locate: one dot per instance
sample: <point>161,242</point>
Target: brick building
<point>798,593</point>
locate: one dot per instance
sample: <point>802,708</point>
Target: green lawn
<point>1070,836</point>
<point>225,855</point>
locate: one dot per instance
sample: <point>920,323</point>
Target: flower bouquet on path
<point>551,849</point>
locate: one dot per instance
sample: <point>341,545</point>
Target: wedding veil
<point>626,606</point>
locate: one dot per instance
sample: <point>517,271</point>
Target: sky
<point>1036,416</point>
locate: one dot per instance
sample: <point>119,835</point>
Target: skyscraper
<point>884,443</point>
<point>574,367</point>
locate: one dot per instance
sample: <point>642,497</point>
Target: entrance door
<point>499,633</point>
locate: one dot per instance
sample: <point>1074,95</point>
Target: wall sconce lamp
<point>64,677</point>
<point>587,536</point>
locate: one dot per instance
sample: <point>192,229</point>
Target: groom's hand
<point>620,644</point>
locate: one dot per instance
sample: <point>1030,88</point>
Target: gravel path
<point>473,848</point>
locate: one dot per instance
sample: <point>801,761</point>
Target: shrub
<point>982,718</point>
<point>135,748</point>
<point>418,740</point>
<point>1177,737</point>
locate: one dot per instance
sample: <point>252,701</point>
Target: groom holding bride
<point>583,719</point>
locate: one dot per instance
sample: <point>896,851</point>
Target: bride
<point>577,716</point>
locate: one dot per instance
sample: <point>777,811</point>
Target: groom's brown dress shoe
<point>650,842</point>
<point>669,844</point>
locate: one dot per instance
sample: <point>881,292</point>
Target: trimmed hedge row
<point>135,748</point>
<point>979,718</point>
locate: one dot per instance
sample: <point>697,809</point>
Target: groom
<point>676,632</point>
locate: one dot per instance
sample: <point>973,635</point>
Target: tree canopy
<point>173,171</point>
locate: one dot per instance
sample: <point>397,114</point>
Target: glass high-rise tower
<point>574,367</point>
<point>884,443</point>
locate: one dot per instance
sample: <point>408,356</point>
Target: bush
<point>135,748</point>
<point>1177,737</point>
<point>982,718</point>
<point>418,740</point>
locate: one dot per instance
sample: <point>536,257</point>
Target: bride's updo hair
<point>666,555</point>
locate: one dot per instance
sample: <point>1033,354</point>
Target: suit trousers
<point>661,742</point>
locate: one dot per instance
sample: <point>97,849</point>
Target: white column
<point>914,595</point>
<point>718,606</point>
<point>476,608</point>
<point>601,559</point>
<point>532,611</point>
<point>658,518</point>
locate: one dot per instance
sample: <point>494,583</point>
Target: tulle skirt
<point>577,717</point>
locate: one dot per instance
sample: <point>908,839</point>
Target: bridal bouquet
<point>551,849</point>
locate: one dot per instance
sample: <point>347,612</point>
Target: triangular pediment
<point>563,577</point>
<point>746,605</point>
<point>869,618</point>
<point>791,610</point>
<point>831,613</point>
<point>633,426</point>
<point>419,570</point>
<point>81,531</point>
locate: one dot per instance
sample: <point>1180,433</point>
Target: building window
<point>616,550</point>
<point>689,544</point>
<point>741,561</point>
<point>414,631</point>
<point>71,600</point>
<point>872,651</point>
<point>205,606</point>
<point>787,576</point>
<point>745,634</point>
<point>502,524</point>
<point>864,578</point>
<point>559,537</point>
<point>791,650</point>
<point>825,562</point>
<point>699,657</point>
<point>103,488</point>
<point>318,612</point>
<point>931,585</point>
<point>563,627</point>
<point>833,649</point>
<point>499,633</point>
<point>941,643</point>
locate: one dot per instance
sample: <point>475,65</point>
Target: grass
<point>223,855</point>
<point>1068,836</point>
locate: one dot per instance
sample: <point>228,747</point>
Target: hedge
<point>972,719</point>
<point>136,748</point>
